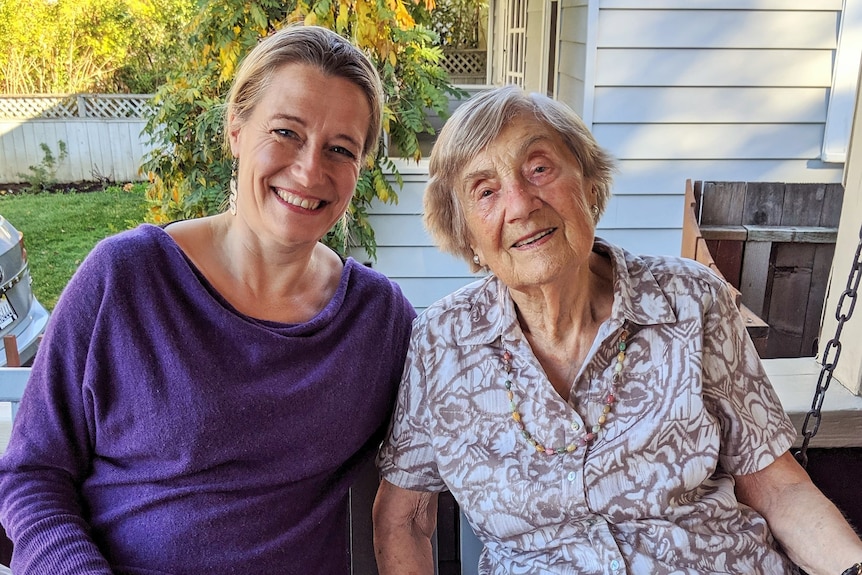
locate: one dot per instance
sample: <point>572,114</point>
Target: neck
<point>561,323</point>
<point>556,312</point>
<point>275,281</point>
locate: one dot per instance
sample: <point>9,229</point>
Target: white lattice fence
<point>96,106</point>
<point>101,132</point>
<point>466,66</point>
<point>27,107</point>
<point>117,106</point>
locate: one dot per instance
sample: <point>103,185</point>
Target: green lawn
<point>61,229</point>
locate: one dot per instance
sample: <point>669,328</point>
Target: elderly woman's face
<point>526,204</point>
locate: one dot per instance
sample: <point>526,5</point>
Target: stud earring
<point>594,209</point>
<point>476,259</point>
<point>231,199</point>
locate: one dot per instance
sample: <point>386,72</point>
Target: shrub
<point>187,167</point>
<point>43,175</point>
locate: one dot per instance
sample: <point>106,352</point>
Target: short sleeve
<point>755,430</point>
<point>406,458</point>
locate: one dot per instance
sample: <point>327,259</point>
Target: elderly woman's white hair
<point>471,128</point>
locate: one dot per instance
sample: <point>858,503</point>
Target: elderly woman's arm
<point>812,531</point>
<point>404,522</point>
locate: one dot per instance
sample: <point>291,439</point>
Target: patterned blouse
<point>654,492</point>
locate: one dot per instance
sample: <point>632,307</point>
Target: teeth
<point>293,200</point>
<point>533,238</point>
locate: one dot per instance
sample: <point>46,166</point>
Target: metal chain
<point>829,360</point>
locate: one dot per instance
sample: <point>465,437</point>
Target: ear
<point>234,127</point>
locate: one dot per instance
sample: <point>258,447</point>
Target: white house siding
<point>675,89</point>
<point>405,251</point>
<point>714,90</point>
<point>572,63</point>
<point>536,44</point>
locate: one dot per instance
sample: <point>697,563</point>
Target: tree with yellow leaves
<point>188,169</point>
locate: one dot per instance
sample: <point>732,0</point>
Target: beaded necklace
<point>587,437</point>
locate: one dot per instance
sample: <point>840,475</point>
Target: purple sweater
<point>163,432</point>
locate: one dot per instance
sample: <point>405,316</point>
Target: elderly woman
<point>207,392</point>
<point>591,411</point>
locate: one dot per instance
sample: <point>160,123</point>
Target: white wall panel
<point>780,5</point>
<point>651,177</point>
<point>571,91</point>
<point>642,212</point>
<point>718,29</point>
<point>399,230</point>
<point>711,141</point>
<point>409,199</point>
<point>638,104</point>
<point>639,241</point>
<point>423,292</point>
<point>573,24</point>
<point>415,262</point>
<point>707,67</point>
<point>571,62</point>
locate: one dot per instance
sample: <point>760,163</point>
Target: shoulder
<point>668,269</point>
<point>473,308</point>
<point>661,289</point>
<point>672,274</point>
<point>132,245</point>
<point>141,251</point>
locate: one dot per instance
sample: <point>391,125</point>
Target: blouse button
<point>571,476</point>
<point>615,565</point>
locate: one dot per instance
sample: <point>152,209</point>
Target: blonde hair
<point>312,45</point>
<point>476,124</point>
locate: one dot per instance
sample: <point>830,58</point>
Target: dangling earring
<point>231,199</point>
<point>476,260</point>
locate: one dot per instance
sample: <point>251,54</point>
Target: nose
<point>521,200</point>
<point>308,166</point>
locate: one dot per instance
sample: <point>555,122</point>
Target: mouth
<point>534,238</point>
<point>299,202</point>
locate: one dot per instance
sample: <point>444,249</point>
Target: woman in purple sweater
<point>207,391</point>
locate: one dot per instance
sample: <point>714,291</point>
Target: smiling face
<point>300,153</point>
<point>526,206</point>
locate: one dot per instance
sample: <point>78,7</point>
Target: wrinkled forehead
<point>515,143</point>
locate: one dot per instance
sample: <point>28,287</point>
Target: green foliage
<point>158,45</point>
<point>43,175</point>
<point>187,167</point>
<point>61,229</point>
<point>459,23</point>
<point>72,46</point>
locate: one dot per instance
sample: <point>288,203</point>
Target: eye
<point>539,171</point>
<point>285,133</point>
<point>481,190</point>
<point>343,151</point>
